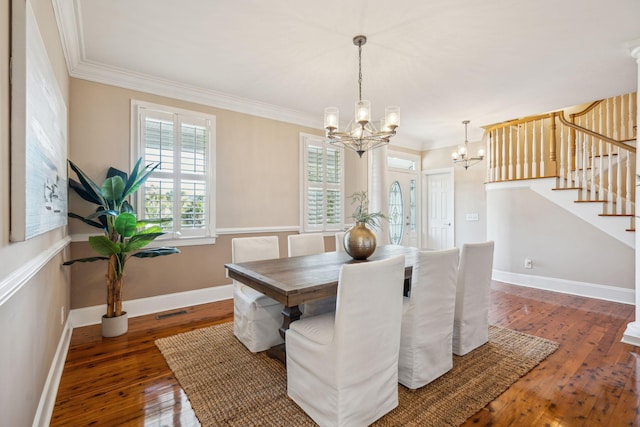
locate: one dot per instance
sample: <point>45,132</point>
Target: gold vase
<point>360,241</point>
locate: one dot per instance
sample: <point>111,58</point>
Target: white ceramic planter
<point>115,326</point>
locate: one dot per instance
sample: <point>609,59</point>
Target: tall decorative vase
<point>360,241</point>
<point>115,326</point>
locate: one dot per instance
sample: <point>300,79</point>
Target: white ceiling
<point>441,61</point>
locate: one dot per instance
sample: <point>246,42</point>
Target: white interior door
<point>404,227</point>
<point>439,228</point>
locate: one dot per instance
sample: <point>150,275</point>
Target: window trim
<point>174,239</point>
<point>305,140</point>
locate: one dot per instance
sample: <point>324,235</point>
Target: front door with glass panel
<point>403,206</point>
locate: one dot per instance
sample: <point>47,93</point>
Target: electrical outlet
<point>62,315</point>
<point>528,263</point>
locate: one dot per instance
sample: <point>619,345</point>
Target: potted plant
<point>360,240</point>
<point>124,236</point>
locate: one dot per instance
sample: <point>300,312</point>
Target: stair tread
<point>567,188</point>
<point>621,215</point>
<point>591,201</point>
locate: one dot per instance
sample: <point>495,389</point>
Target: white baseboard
<point>591,290</point>
<point>139,307</point>
<point>50,389</point>
<point>632,334</point>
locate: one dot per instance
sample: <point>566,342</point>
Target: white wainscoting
<point>591,290</point>
<point>50,389</point>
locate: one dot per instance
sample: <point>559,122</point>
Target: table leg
<point>289,314</point>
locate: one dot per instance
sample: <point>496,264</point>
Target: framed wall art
<point>38,133</point>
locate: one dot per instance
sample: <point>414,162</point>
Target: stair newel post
<point>632,333</point>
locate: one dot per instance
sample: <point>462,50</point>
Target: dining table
<point>293,281</point>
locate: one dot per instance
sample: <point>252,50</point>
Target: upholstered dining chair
<point>306,244</point>
<point>471,321</point>
<point>427,319</point>
<point>256,317</point>
<point>342,367</point>
<point>311,244</point>
<point>340,241</point>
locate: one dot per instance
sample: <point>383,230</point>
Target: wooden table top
<point>295,280</point>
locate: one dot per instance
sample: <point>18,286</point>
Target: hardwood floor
<point>591,380</point>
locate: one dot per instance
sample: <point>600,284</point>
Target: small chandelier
<point>361,135</point>
<point>460,156</point>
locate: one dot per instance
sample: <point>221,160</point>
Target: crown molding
<point>68,14</point>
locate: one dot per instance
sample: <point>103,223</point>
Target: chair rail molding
<point>18,278</point>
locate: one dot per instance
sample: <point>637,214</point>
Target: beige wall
<point>469,194</point>
<point>257,186</point>
<point>30,326</point>
<point>562,246</point>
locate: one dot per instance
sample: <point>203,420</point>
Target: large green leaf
<point>88,184</point>
<point>89,259</point>
<point>117,172</point>
<point>146,172</point>
<point>104,246</point>
<point>82,192</point>
<point>126,224</point>
<point>133,177</point>
<point>126,207</point>
<point>152,229</point>
<point>142,222</point>
<point>113,189</point>
<point>139,241</point>
<point>102,212</point>
<point>85,220</point>
<point>152,253</point>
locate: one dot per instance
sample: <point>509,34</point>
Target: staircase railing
<point>593,150</point>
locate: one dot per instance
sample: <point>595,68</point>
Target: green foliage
<point>362,214</point>
<point>124,236</point>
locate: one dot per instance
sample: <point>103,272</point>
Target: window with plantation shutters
<point>321,185</point>
<point>180,191</point>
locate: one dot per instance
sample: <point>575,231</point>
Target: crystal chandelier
<point>361,135</point>
<point>460,156</point>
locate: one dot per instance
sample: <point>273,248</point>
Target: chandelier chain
<point>360,71</point>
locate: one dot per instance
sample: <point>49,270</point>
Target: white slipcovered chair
<point>342,367</point>
<point>306,244</point>
<point>311,244</point>
<point>256,317</point>
<point>471,321</point>
<point>427,319</point>
<point>340,241</point>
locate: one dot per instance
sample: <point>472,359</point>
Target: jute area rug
<point>229,386</point>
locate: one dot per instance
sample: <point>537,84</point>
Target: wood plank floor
<point>592,380</point>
